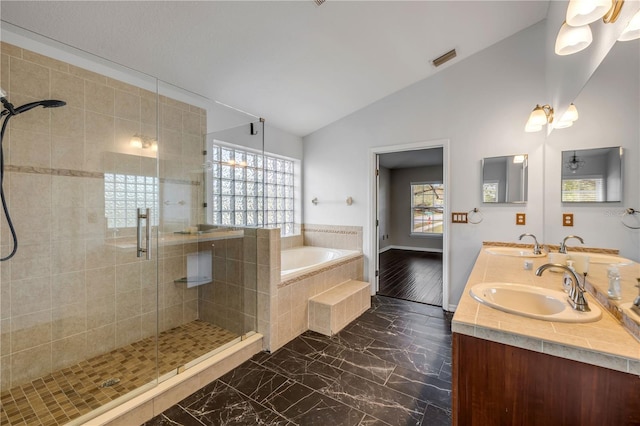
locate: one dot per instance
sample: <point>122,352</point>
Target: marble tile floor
<point>391,366</point>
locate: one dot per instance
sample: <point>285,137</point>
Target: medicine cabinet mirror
<point>505,179</point>
<point>592,175</point>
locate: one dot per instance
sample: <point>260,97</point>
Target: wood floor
<point>411,275</point>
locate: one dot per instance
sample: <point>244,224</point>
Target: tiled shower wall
<point>230,300</point>
<point>75,288</point>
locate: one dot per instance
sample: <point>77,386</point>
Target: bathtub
<point>300,260</point>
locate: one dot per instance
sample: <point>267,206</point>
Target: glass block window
<point>251,189</point>
<point>124,194</point>
<point>427,208</point>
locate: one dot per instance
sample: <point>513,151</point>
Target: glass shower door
<point>78,309</point>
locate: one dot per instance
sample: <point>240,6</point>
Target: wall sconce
<point>575,33</point>
<point>143,142</point>
<point>540,116</point>
<point>567,119</point>
<point>632,31</point>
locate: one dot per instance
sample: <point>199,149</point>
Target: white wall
<point>480,104</point>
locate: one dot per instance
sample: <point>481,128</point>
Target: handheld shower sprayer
<point>9,111</point>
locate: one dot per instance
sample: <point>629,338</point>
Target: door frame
<point>373,213</point>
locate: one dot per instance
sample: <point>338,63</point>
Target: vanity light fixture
<point>632,31</point>
<point>583,12</point>
<point>540,116</point>
<point>574,163</point>
<point>567,119</point>
<point>143,142</point>
<point>572,40</point>
<point>575,33</point>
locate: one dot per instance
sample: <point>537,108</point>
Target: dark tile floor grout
<point>391,366</point>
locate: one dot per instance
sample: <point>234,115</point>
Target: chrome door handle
<point>147,249</point>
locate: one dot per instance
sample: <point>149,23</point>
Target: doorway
<point>410,230</point>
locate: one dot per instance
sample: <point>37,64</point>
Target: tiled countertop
<point>168,239</point>
<point>604,343</point>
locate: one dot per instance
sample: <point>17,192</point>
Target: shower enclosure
<point>103,301</point>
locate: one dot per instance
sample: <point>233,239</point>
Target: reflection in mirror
<point>592,175</point>
<point>505,179</point>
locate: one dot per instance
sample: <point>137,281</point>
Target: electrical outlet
<point>459,217</point>
<point>521,219</point>
<point>567,219</point>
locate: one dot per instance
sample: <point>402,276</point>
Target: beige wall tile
<point>128,331</point>
<point>67,122</point>
<point>101,340</point>
<point>28,79</point>
<point>30,330</point>
<point>68,351</point>
<point>30,148</point>
<point>99,97</point>
<point>101,312</point>
<point>23,292</point>
<point>30,363</point>
<point>68,320</point>
<point>127,305</point>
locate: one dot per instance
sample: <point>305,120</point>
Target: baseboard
<point>426,249</point>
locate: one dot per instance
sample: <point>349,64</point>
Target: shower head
<point>10,109</point>
<point>49,103</point>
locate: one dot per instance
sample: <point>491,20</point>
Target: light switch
<point>567,219</point>
<point>521,219</point>
<point>459,217</point>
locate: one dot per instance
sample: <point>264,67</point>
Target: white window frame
<point>414,233</point>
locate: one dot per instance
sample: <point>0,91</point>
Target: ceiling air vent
<point>318,2</point>
<point>444,58</point>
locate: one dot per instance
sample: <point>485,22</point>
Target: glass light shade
<point>538,116</point>
<point>562,124</point>
<point>583,12</point>
<point>573,39</point>
<point>530,128</point>
<point>570,115</point>
<point>632,31</point>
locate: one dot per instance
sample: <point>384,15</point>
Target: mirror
<point>592,175</point>
<point>505,179</point>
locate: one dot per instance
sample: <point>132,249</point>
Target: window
<point>490,192</point>
<point>251,189</point>
<point>124,194</point>
<point>427,208</point>
<point>582,189</point>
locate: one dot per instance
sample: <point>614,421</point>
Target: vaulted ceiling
<point>299,65</point>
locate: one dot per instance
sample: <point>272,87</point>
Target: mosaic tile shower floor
<point>74,391</point>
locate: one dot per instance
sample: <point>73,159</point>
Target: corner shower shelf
<point>193,281</point>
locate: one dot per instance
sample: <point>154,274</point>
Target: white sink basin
<point>513,251</point>
<point>532,302</point>
<point>606,259</point>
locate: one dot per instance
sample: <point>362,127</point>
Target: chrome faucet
<point>576,295</point>
<point>563,244</point>
<point>536,246</point>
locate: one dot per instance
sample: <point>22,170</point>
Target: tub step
<point>332,310</point>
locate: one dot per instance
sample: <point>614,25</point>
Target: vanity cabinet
<point>498,384</point>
